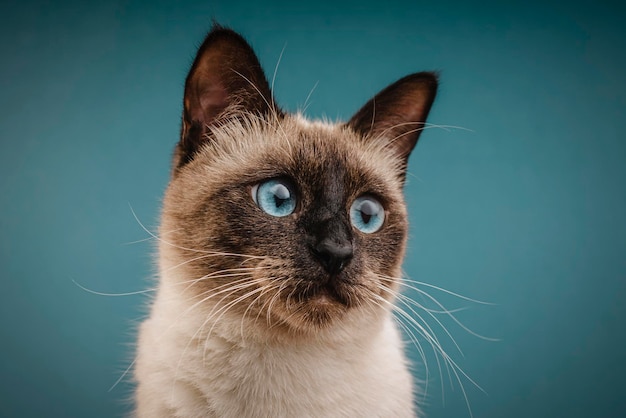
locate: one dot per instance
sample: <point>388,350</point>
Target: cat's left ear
<point>225,81</point>
<point>397,114</point>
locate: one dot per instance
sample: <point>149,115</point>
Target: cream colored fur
<point>236,374</point>
<point>231,367</point>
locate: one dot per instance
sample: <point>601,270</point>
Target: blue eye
<point>275,197</point>
<point>367,214</point>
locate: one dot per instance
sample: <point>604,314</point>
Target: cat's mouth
<point>327,293</point>
<point>313,301</point>
<point>335,292</point>
<point>313,305</point>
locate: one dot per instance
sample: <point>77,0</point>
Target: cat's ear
<point>397,114</point>
<point>225,80</point>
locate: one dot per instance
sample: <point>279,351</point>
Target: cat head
<point>296,224</point>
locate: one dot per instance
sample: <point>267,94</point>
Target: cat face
<point>294,223</point>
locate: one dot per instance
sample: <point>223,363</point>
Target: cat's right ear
<point>226,79</point>
<point>397,114</point>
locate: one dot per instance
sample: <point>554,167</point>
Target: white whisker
<point>453,317</point>
<point>480,302</point>
<point>95,292</point>
<point>306,101</point>
<point>425,330</point>
<point>208,319</point>
<point>180,247</point>
<point>139,241</point>
<point>280,57</point>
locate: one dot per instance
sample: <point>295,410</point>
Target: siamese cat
<point>280,251</point>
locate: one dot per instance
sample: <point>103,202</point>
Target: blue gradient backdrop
<point>525,210</point>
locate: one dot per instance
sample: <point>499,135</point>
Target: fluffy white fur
<point>356,371</point>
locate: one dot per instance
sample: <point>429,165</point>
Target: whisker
<point>374,115</point>
<point>406,301</point>
<point>280,57</point>
<point>250,305</point>
<point>439,304</point>
<point>431,338</point>
<point>95,292</point>
<point>273,300</point>
<point>184,248</point>
<point>287,304</point>
<point>437,350</point>
<point>413,338</point>
<point>172,324</point>
<point>227,307</point>
<point>209,318</point>
<point>149,238</point>
<point>222,274</point>
<point>423,126</point>
<point>201,257</point>
<point>441,289</point>
<point>271,106</point>
<point>458,322</point>
<point>306,101</point>
<point>154,289</point>
<point>138,241</point>
<point>124,374</point>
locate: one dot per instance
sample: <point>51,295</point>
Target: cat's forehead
<point>316,151</point>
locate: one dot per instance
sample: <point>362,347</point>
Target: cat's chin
<point>323,299</point>
<point>326,295</point>
<point>317,306</point>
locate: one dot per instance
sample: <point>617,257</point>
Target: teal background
<point>525,210</point>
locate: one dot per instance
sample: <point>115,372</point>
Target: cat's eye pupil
<point>367,214</point>
<point>368,209</point>
<point>275,197</point>
<point>281,194</point>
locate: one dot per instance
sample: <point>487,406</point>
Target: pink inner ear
<point>225,72</point>
<point>213,101</point>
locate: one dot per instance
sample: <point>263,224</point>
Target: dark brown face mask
<point>316,209</point>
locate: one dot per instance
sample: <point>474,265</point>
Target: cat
<point>280,251</point>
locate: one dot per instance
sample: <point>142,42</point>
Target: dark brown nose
<point>333,255</point>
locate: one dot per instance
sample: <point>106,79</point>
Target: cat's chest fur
<point>230,376</point>
<point>280,251</point>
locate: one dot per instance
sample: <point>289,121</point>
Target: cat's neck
<point>236,369</point>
